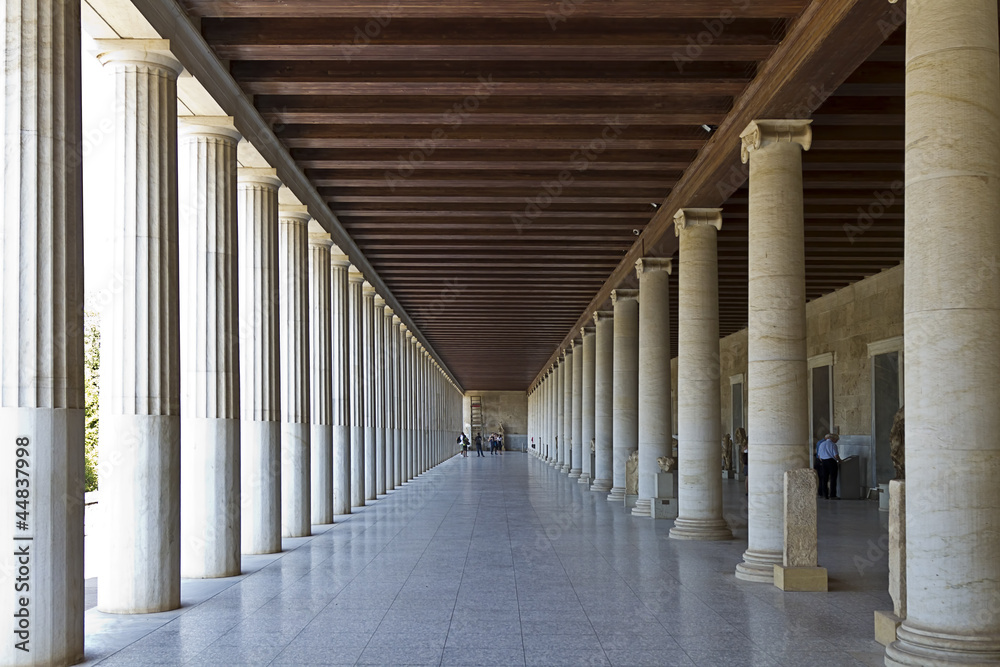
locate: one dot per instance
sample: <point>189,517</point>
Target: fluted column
<point>378,346</point>
<point>140,350</point>
<point>388,341</point>
<point>320,380</point>
<point>398,415</point>
<point>655,425</point>
<point>210,349</point>
<point>356,301</point>
<point>567,443</point>
<point>408,442</point>
<point>260,395</point>
<point>625,386</point>
<point>560,400</point>
<point>588,361</point>
<point>414,409</point>
<point>576,466</point>
<point>340,344</point>
<point>293,319</point>
<point>777,415</point>
<point>42,327</point>
<point>699,410</point>
<point>951,330</point>
<point>368,368</point>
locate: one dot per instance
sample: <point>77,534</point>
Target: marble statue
<point>666,463</point>
<point>593,445</point>
<point>897,445</point>
<point>727,453</point>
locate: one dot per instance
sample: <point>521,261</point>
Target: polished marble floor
<point>504,561</point>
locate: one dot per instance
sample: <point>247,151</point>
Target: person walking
<point>499,444</point>
<point>829,460</point>
<point>479,445</point>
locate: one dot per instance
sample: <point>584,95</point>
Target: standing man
<point>479,444</point>
<point>829,459</point>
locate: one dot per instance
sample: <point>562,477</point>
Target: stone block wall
<point>511,407</point>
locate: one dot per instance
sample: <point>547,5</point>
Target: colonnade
<point>951,348</point>
<point>253,385</point>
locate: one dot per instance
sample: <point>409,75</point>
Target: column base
<point>642,507</point>
<point>564,468</point>
<point>921,646</point>
<point>758,566</point>
<point>574,473</point>
<point>601,486</point>
<point>584,479</point>
<point>700,529</point>
<point>617,494</point>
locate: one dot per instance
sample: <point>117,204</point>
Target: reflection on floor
<point>504,561</point>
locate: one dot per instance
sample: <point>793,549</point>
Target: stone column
<point>368,369</point>
<point>378,345</point>
<point>293,314</point>
<point>576,465</point>
<point>397,400</point>
<point>560,401</point>
<point>412,450</point>
<point>340,345</point>
<point>625,386</point>
<point>140,351</point>
<point>567,443</point>
<point>210,349</point>
<point>604,338</point>
<point>951,330</point>
<point>388,341</point>
<point>321,380</point>
<point>777,415</point>
<point>356,306</point>
<point>406,395</point>
<point>260,395</point>
<point>655,423</point>
<point>587,403</point>
<point>699,410</point>
<point>42,327</point>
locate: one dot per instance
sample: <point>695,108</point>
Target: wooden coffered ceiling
<point>502,163</point>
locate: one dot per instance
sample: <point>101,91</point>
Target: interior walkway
<point>504,561</point>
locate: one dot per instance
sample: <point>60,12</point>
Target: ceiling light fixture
<point>707,128</point>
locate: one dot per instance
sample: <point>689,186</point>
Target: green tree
<point>92,371</point>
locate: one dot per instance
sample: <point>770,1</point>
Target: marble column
<point>625,387</point>
<point>397,401</point>
<point>777,414</point>
<point>260,395</point>
<point>140,349</point>
<point>560,401</point>
<point>378,345</point>
<point>655,423</point>
<point>340,345</point>
<point>589,358</point>
<point>388,341</point>
<point>604,338</point>
<point>356,301</point>
<point>210,349</point>
<point>576,439</point>
<point>42,326</point>
<point>320,380</point>
<point>293,319</point>
<point>567,444</point>
<point>951,324</point>
<point>699,410</point>
<point>407,397</point>
<point>368,369</point>
<point>412,446</point>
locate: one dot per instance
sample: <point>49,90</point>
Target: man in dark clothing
<point>479,445</point>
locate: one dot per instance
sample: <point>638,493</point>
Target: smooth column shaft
<point>625,391</point>
<point>576,467</point>
<point>604,339</point>
<point>587,405</point>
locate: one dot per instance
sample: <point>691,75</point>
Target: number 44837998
<point>22,480</point>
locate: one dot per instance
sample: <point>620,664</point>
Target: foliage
<point>92,368</point>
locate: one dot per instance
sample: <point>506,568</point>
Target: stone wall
<point>511,407</point>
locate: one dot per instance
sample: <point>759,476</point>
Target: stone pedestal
<point>293,318</point>
<point>625,391</point>
<point>260,404</point>
<point>798,570</point>
<point>604,337</point>
<point>777,391</point>
<point>589,360</point>
<point>321,380</point>
<point>340,346</point>
<point>356,301</point>
<point>210,350</point>
<point>42,328</point>
<point>699,411</point>
<point>655,423</point>
<point>140,341</point>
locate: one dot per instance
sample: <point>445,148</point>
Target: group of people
<point>495,442</point>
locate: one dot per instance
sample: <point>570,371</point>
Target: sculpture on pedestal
<point>666,463</point>
<point>897,444</point>
<point>727,453</point>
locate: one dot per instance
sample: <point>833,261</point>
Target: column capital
<point>320,240</point>
<point>766,132</point>
<point>388,310</point>
<point>262,176</point>
<point>623,295</point>
<point>368,289</point>
<point>353,275</point>
<point>650,264</point>
<point>603,315</point>
<point>139,52</point>
<point>222,127</point>
<point>687,218</point>
<point>396,321</point>
<point>587,331</point>
<point>298,213</point>
<point>572,344</point>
